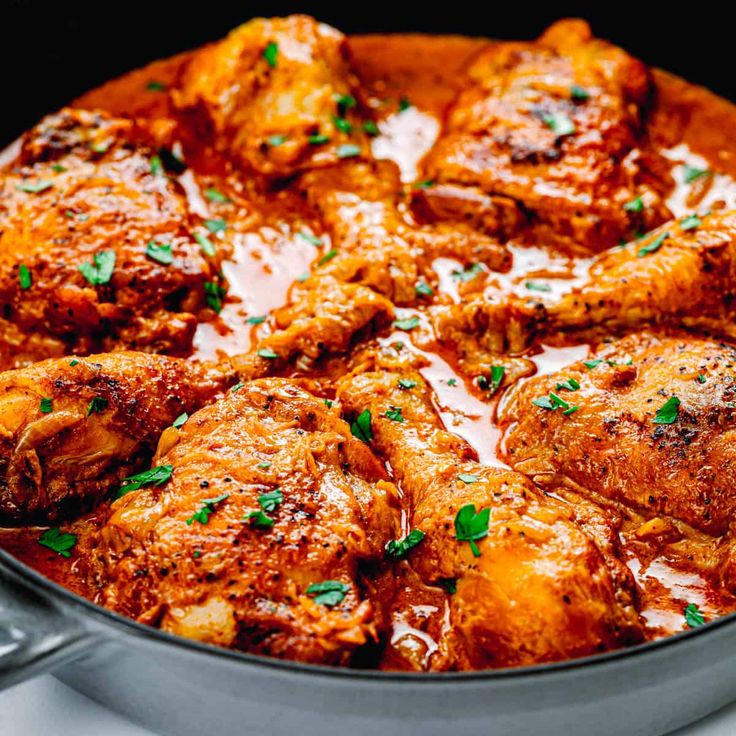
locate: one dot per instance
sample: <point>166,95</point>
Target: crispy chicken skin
<point>553,125</point>
<point>233,581</point>
<point>277,94</point>
<point>70,428</point>
<point>541,589</point>
<point>83,189</point>
<point>690,280</point>
<point>613,444</point>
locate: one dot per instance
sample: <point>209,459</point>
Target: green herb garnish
<point>61,542</point>
<point>652,246</point>
<point>398,548</point>
<point>361,427</point>
<point>471,526</point>
<point>202,515</point>
<point>24,277</point>
<point>160,252</point>
<point>668,412</point>
<point>154,477</point>
<point>100,270</point>
<point>328,593</point>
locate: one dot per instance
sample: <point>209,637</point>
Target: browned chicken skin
<point>77,214</point>
<point>553,125</point>
<point>275,518</point>
<point>71,429</point>
<point>538,589</point>
<point>242,581</point>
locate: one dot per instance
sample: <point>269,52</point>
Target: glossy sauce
<point>269,255</point>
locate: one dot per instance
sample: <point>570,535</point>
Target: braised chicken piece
<point>555,126</point>
<point>72,428</point>
<point>684,273</point>
<point>530,585</point>
<point>97,250</point>
<point>648,421</point>
<point>277,95</point>
<point>257,540</point>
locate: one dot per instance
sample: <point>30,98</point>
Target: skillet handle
<point>36,635</point>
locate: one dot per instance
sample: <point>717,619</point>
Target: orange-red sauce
<point>693,126</point>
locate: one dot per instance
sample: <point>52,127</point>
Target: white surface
<point>44,707</point>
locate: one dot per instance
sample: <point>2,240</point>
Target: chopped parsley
<point>469,273</point>
<point>214,196</point>
<point>590,364</point>
<point>652,246</point>
<point>267,353</point>
<point>237,387</point>
<point>467,478</point>
<point>328,593</point>
<point>58,168</point>
<point>24,277</point>
<point>406,383</point>
<point>497,373</point>
<point>371,128</point>
<point>270,53</point>
<point>73,362</point>
<point>343,125</point>
<point>259,519</point>
<point>426,184</point>
<point>398,548</point>
<point>406,324</point>
<point>207,246</point>
<point>263,466</point>
<point>256,319</point>
<point>100,270</point>
<point>216,225</point>
<point>154,477</point>
<point>404,103</point>
<point>156,166</point>
<point>449,585</point>
<point>348,150</point>
<point>394,414</point>
<point>634,205</point>
<point>33,188</point>
<point>327,257</point>
<point>691,222</point>
<point>180,420</point>
<point>202,515</point>
<point>311,239</point>
<point>668,412</point>
<point>172,161</point>
<point>96,406</point>
<point>537,286</point>
<point>361,427</point>
<point>452,381</point>
<point>570,384</point>
<point>559,123</point>
<point>344,102</point>
<point>276,140</point>
<point>693,616</point>
<point>701,378</point>
<point>46,406</point>
<point>691,173</point>
<point>578,93</point>
<point>160,252</point>
<point>213,294</point>
<point>318,139</point>
<point>552,402</point>
<point>471,526</point>
<point>271,500</point>
<point>422,288</point>
<point>155,86</point>
<point>61,542</point>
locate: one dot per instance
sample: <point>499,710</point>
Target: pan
<point>181,687</point>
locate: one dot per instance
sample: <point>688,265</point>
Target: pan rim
<point>58,594</point>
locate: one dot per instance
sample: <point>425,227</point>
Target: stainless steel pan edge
<point>182,688</point>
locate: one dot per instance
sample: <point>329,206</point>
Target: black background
<point>52,51</point>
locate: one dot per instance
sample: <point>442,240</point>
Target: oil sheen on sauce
<point>270,256</point>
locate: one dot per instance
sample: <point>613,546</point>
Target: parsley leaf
<point>406,324</point>
<point>61,542</point>
<point>160,252</point>
<point>471,526</point>
<point>312,239</point>
<point>394,413</point>
<point>343,125</point>
<point>259,519</point>
<point>213,294</point>
<point>578,93</point>
<point>318,139</point>
<point>404,103</point>
<point>570,384</point>
<point>180,420</point>
<point>46,406</point>
<point>157,166</point>
<point>270,53</point>
<point>635,205</point>
<point>271,500</point>
<point>361,427</point>
<point>328,593</point>
<point>469,273</point>
<point>422,288</point>
<point>559,123</point>
<point>256,319</point>
<point>202,515</point>
<point>691,173</point>
<point>667,413</point>
<point>691,222</point>
<point>267,353</point>
<point>653,245</point>
<point>40,186</point>
<point>693,616</point>
<point>398,548</point>
<point>406,383</point>
<point>216,225</point>
<point>24,277</point>
<point>537,286</point>
<point>327,257</point>
<point>467,478</point>
<point>154,477</point>
<point>497,373</point>
<point>214,196</point>
<point>276,140</point>
<point>97,405</point>
<point>100,270</point>
<point>344,102</point>
<point>590,364</point>
<point>371,128</point>
<point>155,86</point>
<point>207,246</point>
<point>348,150</point>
